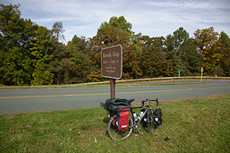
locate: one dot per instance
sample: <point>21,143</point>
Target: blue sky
<point>150,17</point>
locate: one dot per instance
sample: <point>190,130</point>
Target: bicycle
<point>147,114</point>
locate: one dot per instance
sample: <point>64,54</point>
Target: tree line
<point>34,55</point>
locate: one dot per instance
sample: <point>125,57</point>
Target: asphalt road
<point>35,100</point>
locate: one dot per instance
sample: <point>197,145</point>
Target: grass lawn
<point>192,125</point>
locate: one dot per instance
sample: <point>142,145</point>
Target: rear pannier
<point>122,119</point>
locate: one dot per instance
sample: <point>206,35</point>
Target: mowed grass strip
<point>192,125</point>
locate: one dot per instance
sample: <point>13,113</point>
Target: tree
<point>41,49</point>
<point>153,61</point>
<point>206,39</point>
<point>58,31</point>
<point>27,49</point>
<point>222,46</point>
<point>121,24</point>
<point>181,52</point>
<point>15,35</point>
<point>173,52</point>
<point>192,60</point>
<point>59,52</point>
<point>106,36</point>
<point>116,32</point>
<point>125,27</point>
<point>78,65</point>
<point>79,44</point>
<point>131,63</point>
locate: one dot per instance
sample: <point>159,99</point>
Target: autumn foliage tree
<point>206,40</point>
<point>34,55</point>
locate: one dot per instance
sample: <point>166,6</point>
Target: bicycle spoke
<point>150,122</point>
<point>117,134</point>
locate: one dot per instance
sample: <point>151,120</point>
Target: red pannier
<point>122,119</point>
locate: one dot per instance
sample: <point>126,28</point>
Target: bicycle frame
<point>131,110</point>
<point>136,123</point>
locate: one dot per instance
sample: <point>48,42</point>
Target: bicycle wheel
<point>117,134</point>
<point>152,127</point>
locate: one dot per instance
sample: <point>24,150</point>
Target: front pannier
<point>158,117</point>
<point>122,119</point>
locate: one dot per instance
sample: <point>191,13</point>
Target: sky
<point>154,18</point>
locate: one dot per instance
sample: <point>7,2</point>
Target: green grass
<point>192,125</point>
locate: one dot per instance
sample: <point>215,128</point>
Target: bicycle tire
<point>152,127</point>
<point>117,134</point>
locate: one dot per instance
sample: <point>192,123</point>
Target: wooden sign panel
<point>111,62</point>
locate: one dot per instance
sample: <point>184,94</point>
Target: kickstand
<point>140,132</point>
<point>137,129</point>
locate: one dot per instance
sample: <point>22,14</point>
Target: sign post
<point>179,72</point>
<point>202,70</point>
<point>112,88</point>
<point>111,65</point>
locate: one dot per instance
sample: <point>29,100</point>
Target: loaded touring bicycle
<point>123,120</point>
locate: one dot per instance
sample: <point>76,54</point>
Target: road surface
<point>35,100</point>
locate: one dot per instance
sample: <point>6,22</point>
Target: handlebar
<point>146,101</point>
<point>149,100</point>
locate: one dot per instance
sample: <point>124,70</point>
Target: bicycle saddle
<point>131,100</point>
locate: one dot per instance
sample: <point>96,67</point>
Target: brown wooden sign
<point>111,62</point>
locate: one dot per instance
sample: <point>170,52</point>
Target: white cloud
<point>154,18</point>
<point>179,4</point>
